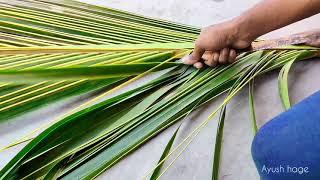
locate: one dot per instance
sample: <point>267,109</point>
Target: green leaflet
<point>79,73</point>
<point>218,144</point>
<point>252,114</point>
<point>165,152</point>
<point>283,84</point>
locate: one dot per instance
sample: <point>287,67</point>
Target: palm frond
<point>55,49</point>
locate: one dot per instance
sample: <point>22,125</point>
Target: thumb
<point>194,57</point>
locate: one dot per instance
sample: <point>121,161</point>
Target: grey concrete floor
<point>196,161</point>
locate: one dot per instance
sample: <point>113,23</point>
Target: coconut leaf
<point>81,44</point>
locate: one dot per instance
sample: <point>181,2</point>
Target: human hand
<point>216,44</point>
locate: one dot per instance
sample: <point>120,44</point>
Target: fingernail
<point>186,60</point>
<point>198,65</point>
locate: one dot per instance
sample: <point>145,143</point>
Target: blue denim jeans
<point>288,146</point>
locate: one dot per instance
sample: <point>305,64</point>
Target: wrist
<point>243,30</point>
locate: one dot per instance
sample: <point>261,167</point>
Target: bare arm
<point>220,40</point>
<point>270,15</point>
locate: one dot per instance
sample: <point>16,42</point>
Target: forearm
<point>269,15</point>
